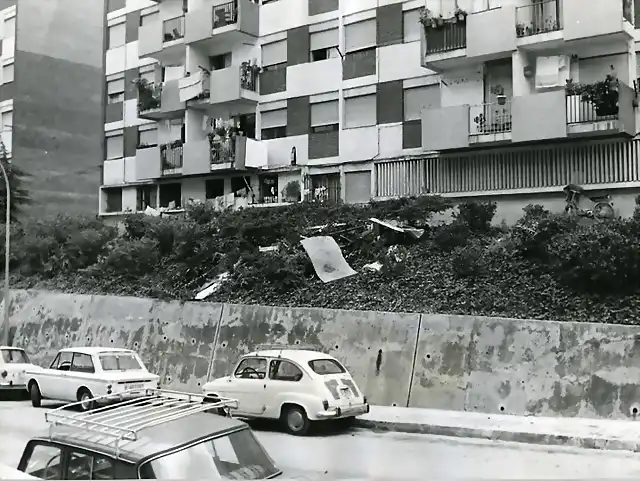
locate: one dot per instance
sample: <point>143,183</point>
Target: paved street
<point>363,453</point>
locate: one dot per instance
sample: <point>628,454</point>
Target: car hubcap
<point>295,420</point>
<point>85,401</point>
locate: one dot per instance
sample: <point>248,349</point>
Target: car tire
<point>35,395</point>
<point>85,395</point>
<point>295,420</point>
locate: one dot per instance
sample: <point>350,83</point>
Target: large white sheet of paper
<point>327,258</point>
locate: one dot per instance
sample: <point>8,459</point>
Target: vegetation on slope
<point>547,266</point>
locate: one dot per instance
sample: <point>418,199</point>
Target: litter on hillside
<point>327,259</point>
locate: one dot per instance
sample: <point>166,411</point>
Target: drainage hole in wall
<point>199,383</point>
<point>394,405</point>
<point>224,344</point>
<point>164,338</point>
<point>297,342</point>
<point>428,356</point>
<point>66,336</point>
<point>336,346</point>
<point>193,341</point>
<point>501,408</point>
<point>88,339</point>
<point>168,378</point>
<point>111,341</point>
<point>634,411</point>
<point>135,344</point>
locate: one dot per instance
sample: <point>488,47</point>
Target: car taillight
<point>4,374</point>
<point>325,405</point>
<point>365,399</point>
<point>109,386</point>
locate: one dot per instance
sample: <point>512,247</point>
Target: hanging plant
<point>149,94</point>
<point>460,15</point>
<point>603,95</point>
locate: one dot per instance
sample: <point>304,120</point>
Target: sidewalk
<point>576,432</point>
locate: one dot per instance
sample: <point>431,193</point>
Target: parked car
<point>296,386</point>
<point>84,373</point>
<point>14,364</point>
<point>7,472</point>
<point>160,435</point>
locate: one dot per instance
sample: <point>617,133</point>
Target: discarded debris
<point>392,225</point>
<point>327,259</point>
<point>374,266</point>
<point>268,249</point>
<point>211,287</point>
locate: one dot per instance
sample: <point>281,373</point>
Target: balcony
<point>603,22</point>
<point>444,40</point>
<point>163,41</point>
<point>216,154</point>
<point>490,122</point>
<point>538,25</point>
<point>159,102</point>
<point>171,158</point>
<point>218,25</point>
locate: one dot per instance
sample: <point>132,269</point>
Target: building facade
<point>52,79</point>
<point>262,102</point>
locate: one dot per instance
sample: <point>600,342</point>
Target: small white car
<point>296,386</point>
<point>82,373</point>
<point>14,363</point>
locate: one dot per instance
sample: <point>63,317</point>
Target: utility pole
<point>7,244</point>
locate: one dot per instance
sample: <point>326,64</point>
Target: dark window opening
<point>214,188</point>
<point>113,199</point>
<point>320,54</point>
<point>241,186</point>
<point>247,125</point>
<point>145,197</point>
<point>274,133</point>
<point>325,128</point>
<point>171,194</point>
<point>219,62</point>
<point>269,189</point>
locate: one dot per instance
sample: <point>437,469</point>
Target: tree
<point>19,194</point>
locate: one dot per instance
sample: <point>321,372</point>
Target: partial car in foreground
<point>14,364</point>
<point>84,373</point>
<point>296,386</point>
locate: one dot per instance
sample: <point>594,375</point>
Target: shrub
<point>477,216</point>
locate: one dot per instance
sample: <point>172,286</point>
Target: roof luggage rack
<point>287,347</point>
<point>125,420</point>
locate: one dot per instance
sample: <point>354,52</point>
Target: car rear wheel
<point>295,420</point>
<point>85,398</point>
<point>35,394</point>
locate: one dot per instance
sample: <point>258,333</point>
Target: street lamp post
<point>7,241</point>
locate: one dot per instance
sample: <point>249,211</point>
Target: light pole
<point>7,241</point>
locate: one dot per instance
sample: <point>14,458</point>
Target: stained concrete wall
<point>420,360</point>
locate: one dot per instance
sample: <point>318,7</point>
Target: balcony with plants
<point>444,34</point>
<point>538,18</point>
<point>491,118</point>
<point>171,157</point>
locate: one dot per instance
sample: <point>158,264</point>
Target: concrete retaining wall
<point>420,360</point>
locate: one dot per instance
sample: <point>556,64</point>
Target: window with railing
<point>173,29</point>
<point>225,14</point>
<point>171,155</point>
<point>537,18</point>
<point>269,189</point>
<point>223,150</point>
<point>323,188</point>
<point>490,118</point>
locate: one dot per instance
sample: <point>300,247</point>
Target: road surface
<point>364,454</point>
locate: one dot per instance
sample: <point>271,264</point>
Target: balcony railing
<point>581,111</point>
<point>249,74</point>
<point>149,95</point>
<point>450,36</point>
<point>173,29</point>
<point>225,14</point>
<point>171,155</point>
<point>594,102</point>
<point>490,118</point>
<point>538,18</point>
<point>223,150</point>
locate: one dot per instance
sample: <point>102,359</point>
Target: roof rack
<point>287,347</point>
<point>124,421</point>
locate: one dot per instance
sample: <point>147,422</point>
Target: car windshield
<point>119,361</point>
<point>326,366</point>
<point>14,356</point>
<point>238,455</point>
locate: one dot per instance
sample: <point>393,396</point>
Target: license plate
<point>346,393</point>
<point>129,387</point>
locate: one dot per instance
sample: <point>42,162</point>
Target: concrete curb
<point>501,435</point>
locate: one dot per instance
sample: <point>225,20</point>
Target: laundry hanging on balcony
<point>552,71</point>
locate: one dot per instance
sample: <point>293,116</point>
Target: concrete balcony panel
<point>163,40</point>
<point>491,33</point>
<point>539,116</point>
<point>218,25</point>
<point>197,158</point>
<point>150,39</point>
<point>601,18</point>
<point>539,26</point>
<point>148,164</point>
<point>170,105</point>
<point>445,128</point>
<point>235,88</point>
<point>113,172</point>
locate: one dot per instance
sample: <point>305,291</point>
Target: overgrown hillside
<point>546,267</point>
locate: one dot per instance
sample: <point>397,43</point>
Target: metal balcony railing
<point>581,111</point>
<point>490,118</point>
<point>173,29</point>
<point>537,18</point>
<point>171,156</point>
<point>451,36</point>
<point>225,14</point>
<point>223,151</point>
<point>249,74</point>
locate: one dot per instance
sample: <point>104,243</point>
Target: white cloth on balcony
<point>548,71</point>
<point>192,86</point>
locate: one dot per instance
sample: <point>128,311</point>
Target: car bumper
<point>10,386</point>
<point>337,413</point>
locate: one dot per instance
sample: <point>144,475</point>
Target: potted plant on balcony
<point>498,91</point>
<point>249,75</point>
<point>222,139</point>
<point>148,94</point>
<point>428,20</point>
<point>459,15</point>
<point>603,94</point>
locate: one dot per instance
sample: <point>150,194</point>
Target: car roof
<point>302,355</point>
<point>12,347</point>
<point>95,350</point>
<point>167,436</point>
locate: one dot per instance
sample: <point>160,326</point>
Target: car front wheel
<point>36,395</point>
<point>85,398</point>
<point>295,420</point>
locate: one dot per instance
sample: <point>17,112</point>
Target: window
<point>124,361</point>
<point>411,25</point>
<point>324,116</point>
<point>115,146</point>
<point>117,35</point>
<point>44,462</point>
<point>7,73</point>
<point>218,62</point>
<point>82,363</point>
<point>324,45</point>
<point>14,356</point>
<point>360,111</point>
<point>115,91</point>
<point>326,367</point>
<point>274,53</point>
<point>241,186</point>
<point>214,188</point>
<point>173,29</point>
<point>284,371</point>
<point>419,98</point>
<point>360,35</point>
<point>145,197</point>
<point>252,368</point>
<point>171,195</point>
<point>113,199</point>
<point>62,361</point>
<point>9,28</point>
<point>148,138</point>
<point>89,466</point>
<point>269,189</point>
<point>273,124</point>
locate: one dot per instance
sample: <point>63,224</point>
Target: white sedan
<point>80,374</point>
<point>14,363</point>
<point>294,386</point>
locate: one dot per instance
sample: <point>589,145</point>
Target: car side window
<point>54,363</point>
<point>64,364</point>
<point>44,462</point>
<point>82,363</point>
<point>89,466</point>
<point>281,370</point>
<point>252,368</point>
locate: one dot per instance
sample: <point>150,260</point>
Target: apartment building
<point>264,102</point>
<point>51,109</point>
